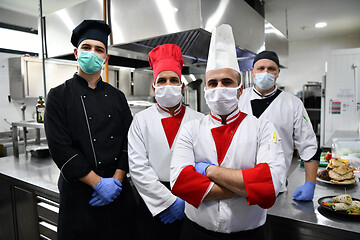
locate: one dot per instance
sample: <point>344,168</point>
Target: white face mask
<point>168,95</point>
<point>222,100</point>
<point>265,80</point>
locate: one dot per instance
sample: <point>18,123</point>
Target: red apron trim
<point>172,124</point>
<point>178,110</point>
<point>259,186</point>
<point>223,136</point>
<point>191,186</point>
<point>175,112</point>
<point>217,119</point>
<point>227,120</point>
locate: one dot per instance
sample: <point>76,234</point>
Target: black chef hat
<point>267,55</point>
<point>91,29</point>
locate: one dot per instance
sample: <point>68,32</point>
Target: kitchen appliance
<point>340,110</point>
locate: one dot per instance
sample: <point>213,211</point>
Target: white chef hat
<point>222,51</point>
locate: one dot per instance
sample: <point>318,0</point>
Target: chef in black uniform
<point>86,124</point>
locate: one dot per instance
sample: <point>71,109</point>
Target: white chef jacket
<point>291,120</point>
<point>150,155</point>
<point>253,143</point>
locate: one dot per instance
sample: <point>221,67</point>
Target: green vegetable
<point>353,210</point>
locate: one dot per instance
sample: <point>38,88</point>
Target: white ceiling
<point>342,16</point>
<point>32,6</point>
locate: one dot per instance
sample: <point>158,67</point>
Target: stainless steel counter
<point>310,212</point>
<point>36,173</point>
<point>29,198</point>
<point>42,174</point>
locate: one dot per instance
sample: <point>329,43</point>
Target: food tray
<point>342,184</point>
<point>340,213</point>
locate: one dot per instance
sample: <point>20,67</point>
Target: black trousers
<point>192,231</point>
<point>79,220</point>
<point>149,227</point>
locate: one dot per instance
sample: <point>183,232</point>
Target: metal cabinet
<point>311,97</point>
<point>26,76</point>
<point>278,227</point>
<point>7,223</point>
<point>48,217</point>
<point>26,213</point>
<point>18,215</point>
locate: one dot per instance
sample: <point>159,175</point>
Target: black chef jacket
<point>87,128</point>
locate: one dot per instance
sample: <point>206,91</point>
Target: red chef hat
<point>166,57</point>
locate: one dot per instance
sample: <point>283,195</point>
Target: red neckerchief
<point>172,124</point>
<point>224,134</point>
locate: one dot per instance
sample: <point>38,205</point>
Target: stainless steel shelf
<point>313,109</point>
<point>24,125</point>
<point>31,124</point>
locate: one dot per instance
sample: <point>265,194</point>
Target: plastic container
<point>346,147</point>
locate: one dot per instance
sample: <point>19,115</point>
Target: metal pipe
<point>15,140</point>
<point>357,124</point>
<point>42,45</point>
<point>23,108</point>
<point>323,109</point>
<point>106,66</point>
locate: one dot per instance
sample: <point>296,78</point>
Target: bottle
<point>40,110</point>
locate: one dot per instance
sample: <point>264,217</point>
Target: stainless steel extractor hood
<point>140,25</point>
<point>276,41</point>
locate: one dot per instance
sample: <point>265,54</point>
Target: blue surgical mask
<point>265,80</point>
<point>90,62</point>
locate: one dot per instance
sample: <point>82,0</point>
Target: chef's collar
<point>164,110</point>
<point>82,81</point>
<point>229,118</point>
<point>266,95</point>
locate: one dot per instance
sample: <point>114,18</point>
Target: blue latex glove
<point>200,167</point>
<point>174,212</point>
<point>108,188</point>
<point>305,192</point>
<point>97,200</point>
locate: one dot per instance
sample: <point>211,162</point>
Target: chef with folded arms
<point>265,101</point>
<point>86,125</point>
<point>152,136</point>
<point>228,166</point>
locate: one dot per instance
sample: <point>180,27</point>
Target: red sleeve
<point>259,186</point>
<point>191,186</point>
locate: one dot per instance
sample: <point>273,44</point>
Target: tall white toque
<point>222,51</point>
